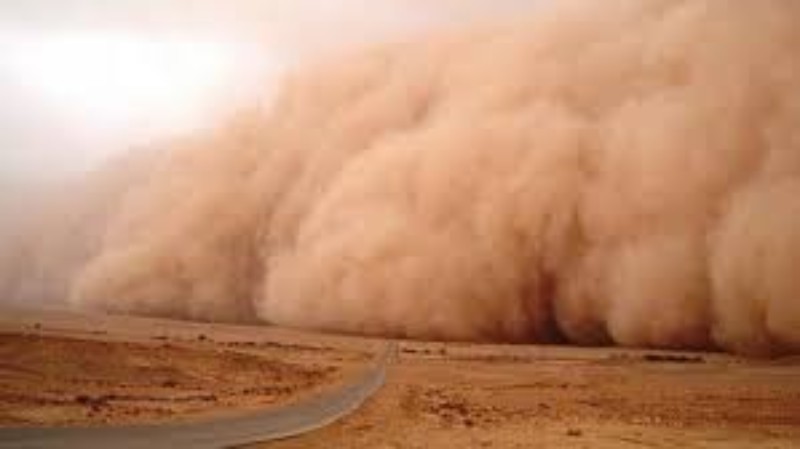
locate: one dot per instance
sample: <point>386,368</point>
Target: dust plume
<point>620,171</point>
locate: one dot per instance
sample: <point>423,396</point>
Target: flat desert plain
<point>62,368</point>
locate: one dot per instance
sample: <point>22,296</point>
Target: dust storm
<point>604,172</point>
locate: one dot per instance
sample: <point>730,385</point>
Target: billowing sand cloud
<point>609,171</point>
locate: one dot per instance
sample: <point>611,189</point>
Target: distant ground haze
<point>618,171</point>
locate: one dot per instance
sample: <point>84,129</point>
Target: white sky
<point>81,79</point>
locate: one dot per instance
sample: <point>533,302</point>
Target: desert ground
<point>62,368</point>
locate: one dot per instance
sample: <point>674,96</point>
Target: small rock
<point>574,432</point>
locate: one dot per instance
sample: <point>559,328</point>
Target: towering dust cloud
<point>607,172</point>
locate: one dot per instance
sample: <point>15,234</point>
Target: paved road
<point>257,427</point>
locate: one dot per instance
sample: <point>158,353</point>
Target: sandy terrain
<point>62,368</point>
<point>467,396</point>
<point>58,369</point>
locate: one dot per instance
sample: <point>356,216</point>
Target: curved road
<point>257,427</point>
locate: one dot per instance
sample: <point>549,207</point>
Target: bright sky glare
<point>103,90</point>
<point>81,80</point>
<point>119,81</point>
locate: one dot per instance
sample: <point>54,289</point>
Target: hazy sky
<point>81,79</point>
